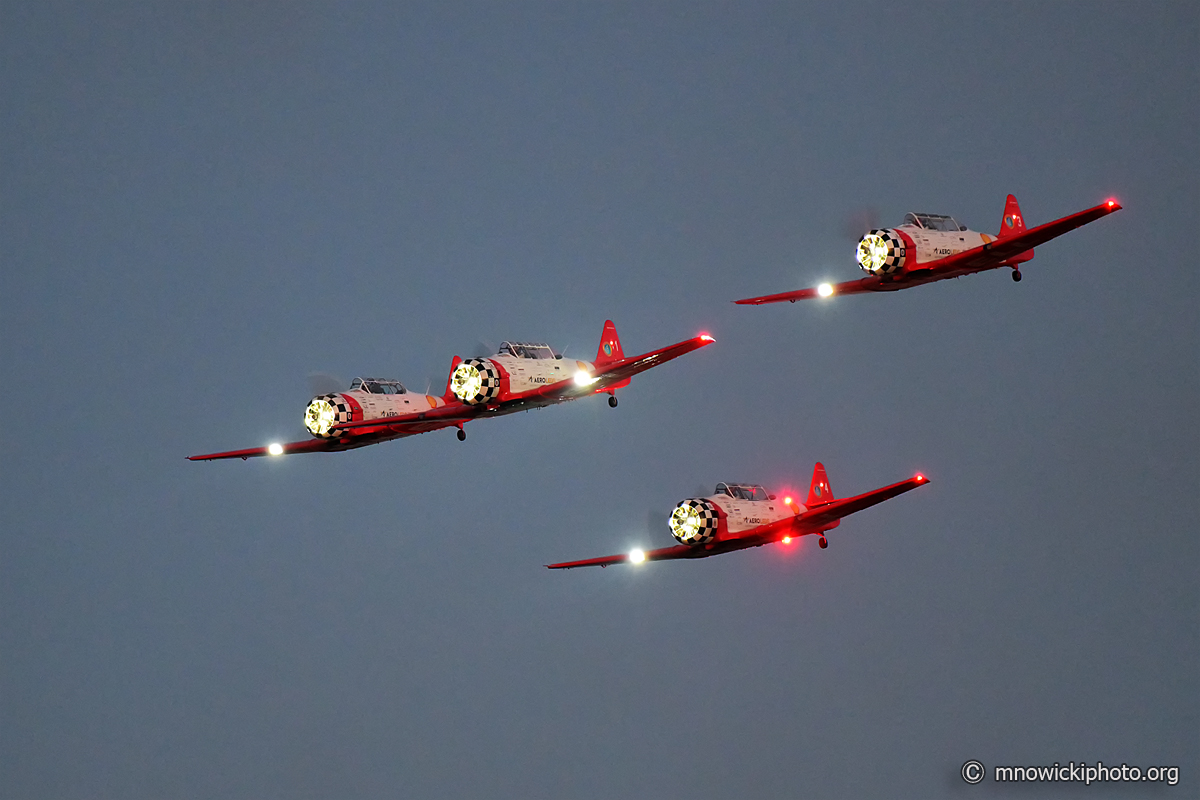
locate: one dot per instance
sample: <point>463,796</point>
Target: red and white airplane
<point>737,516</point>
<point>933,247</point>
<point>521,376</point>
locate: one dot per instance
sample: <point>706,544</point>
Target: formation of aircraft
<point>738,516</point>
<point>521,376</point>
<point>934,247</point>
<point>527,375</point>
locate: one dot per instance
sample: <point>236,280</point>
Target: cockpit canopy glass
<point>527,350</point>
<point>933,222</point>
<point>377,386</point>
<point>742,491</point>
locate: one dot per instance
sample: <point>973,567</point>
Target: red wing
<point>999,251</point>
<point>662,554</point>
<point>628,367</point>
<point>756,537</point>
<point>307,446</point>
<point>835,510</point>
<point>614,373</point>
<point>392,428</point>
<point>861,286</point>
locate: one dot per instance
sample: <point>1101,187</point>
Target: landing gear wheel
<point>1017,275</point>
<point>612,401</point>
<point>823,542</point>
<point>462,435</point>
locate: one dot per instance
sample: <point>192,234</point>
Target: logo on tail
<point>1013,223</point>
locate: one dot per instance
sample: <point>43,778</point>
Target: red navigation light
<point>704,337</point>
<point>920,478</point>
<point>787,540</point>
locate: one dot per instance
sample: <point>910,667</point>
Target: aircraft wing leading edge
<point>405,425</point>
<point>662,554</point>
<point>307,446</point>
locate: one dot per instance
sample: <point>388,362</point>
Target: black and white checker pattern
<point>345,412</point>
<point>896,251</point>
<point>708,523</point>
<point>489,387</point>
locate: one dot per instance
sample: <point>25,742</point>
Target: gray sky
<point>203,204</point>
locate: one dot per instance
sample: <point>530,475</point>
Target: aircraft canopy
<point>742,491</point>
<point>527,350</point>
<point>933,222</point>
<point>377,386</point>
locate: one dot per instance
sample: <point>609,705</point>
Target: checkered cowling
<point>489,387</point>
<point>682,522</point>
<point>896,252</point>
<point>343,412</point>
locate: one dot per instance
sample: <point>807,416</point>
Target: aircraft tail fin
<point>819,492</point>
<point>1013,223</point>
<point>610,346</point>
<point>449,395</point>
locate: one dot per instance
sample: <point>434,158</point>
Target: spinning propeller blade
<point>323,383</point>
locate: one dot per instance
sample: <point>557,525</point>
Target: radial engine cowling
<point>325,411</point>
<point>883,252</point>
<point>475,381</point>
<point>694,522</point>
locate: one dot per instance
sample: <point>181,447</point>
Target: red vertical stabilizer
<point>1014,221</point>
<point>819,492</point>
<point>610,346</point>
<point>1013,224</point>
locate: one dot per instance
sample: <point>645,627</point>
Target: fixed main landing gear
<point>612,401</point>
<point>823,542</point>
<point>462,435</point>
<point>1016,273</point>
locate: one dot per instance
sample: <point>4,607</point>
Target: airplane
<point>933,247</point>
<point>737,516</point>
<point>521,376</point>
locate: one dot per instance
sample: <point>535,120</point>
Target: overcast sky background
<point>202,204</point>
